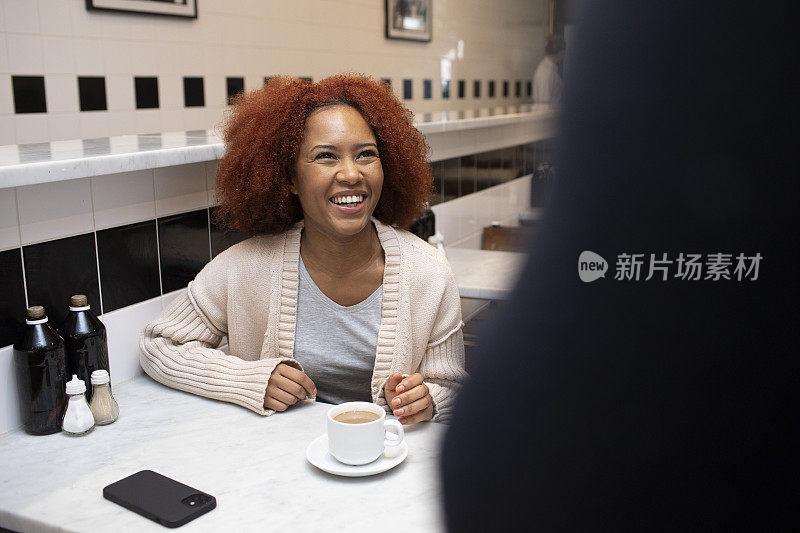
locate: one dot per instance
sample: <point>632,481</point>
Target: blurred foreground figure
<point>662,403</point>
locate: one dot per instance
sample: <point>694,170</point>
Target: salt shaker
<point>103,405</point>
<point>78,420</point>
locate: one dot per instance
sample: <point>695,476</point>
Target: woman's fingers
<point>401,400</point>
<point>297,391</point>
<point>414,380</point>
<point>273,391</point>
<point>275,405</point>
<point>425,414</point>
<point>415,405</point>
<point>298,377</point>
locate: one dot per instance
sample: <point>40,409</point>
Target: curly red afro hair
<point>263,133</point>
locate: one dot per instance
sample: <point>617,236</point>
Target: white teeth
<point>348,199</point>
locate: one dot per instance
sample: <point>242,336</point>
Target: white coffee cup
<point>361,443</point>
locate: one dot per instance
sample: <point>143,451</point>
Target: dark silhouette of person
<point>650,404</point>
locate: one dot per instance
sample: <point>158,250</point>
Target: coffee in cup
<point>357,432</point>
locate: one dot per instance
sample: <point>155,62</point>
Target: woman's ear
<point>292,188</point>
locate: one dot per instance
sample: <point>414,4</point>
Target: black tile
<point>128,264</point>
<point>193,93</point>
<point>436,172</point>
<point>28,94</point>
<point>309,79</point>
<point>450,179</point>
<point>387,81</point>
<point>483,171</point>
<point>267,78</point>
<point>528,88</point>
<point>184,245</point>
<point>517,88</point>
<point>55,270</point>
<point>146,92</point>
<point>234,86</point>
<point>12,304</point>
<point>445,89</point>
<point>427,89</point>
<point>491,88</point>
<point>467,176</point>
<point>407,90</point>
<point>462,88</point>
<point>476,89</point>
<point>222,238</point>
<point>92,93</point>
<point>505,88</point>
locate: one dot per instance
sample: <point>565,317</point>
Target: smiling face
<point>338,173</point>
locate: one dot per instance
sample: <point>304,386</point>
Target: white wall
<point>60,39</point>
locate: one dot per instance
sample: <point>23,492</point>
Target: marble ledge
<point>29,164</point>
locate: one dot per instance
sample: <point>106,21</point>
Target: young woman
<point>329,298</point>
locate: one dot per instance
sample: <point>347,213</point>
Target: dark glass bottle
<point>41,369</point>
<point>424,226</point>
<point>85,340</point>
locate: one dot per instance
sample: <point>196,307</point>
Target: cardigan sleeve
<point>180,349</point>
<point>442,366</point>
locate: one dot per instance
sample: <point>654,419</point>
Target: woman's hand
<point>287,386</point>
<point>408,398</point>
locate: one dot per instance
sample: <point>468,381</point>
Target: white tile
<point>148,121</point>
<point>168,61</point>
<point>211,181</point>
<point>123,198</point>
<point>118,57</point>
<point>21,15</point>
<point>142,57</point>
<point>194,118</point>
<point>170,91</point>
<point>6,95</point>
<point>54,17</point>
<point>87,23</point>
<point>58,55</point>
<point>123,327</point>
<point>214,118</point>
<point>180,188</point>
<point>121,122</point>
<point>9,399</point>
<point>93,124</point>
<point>7,130</point>
<point>88,54</point>
<point>172,120</point>
<point>120,92</point>
<point>216,91</point>
<point>61,93</point>
<point>24,54</point>
<point>54,210</point>
<point>31,128</point>
<point>3,51</point>
<point>9,225</point>
<point>64,127</point>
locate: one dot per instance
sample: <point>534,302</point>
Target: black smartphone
<point>159,498</point>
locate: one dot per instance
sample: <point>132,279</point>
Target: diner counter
<point>28,164</point>
<point>485,274</point>
<point>255,467</point>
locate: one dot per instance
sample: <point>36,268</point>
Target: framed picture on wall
<point>409,19</point>
<point>172,8</point>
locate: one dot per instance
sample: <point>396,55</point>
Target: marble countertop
<point>485,274</point>
<point>28,164</point>
<point>254,466</point>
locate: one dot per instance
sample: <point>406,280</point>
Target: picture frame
<point>170,8</point>
<point>410,20</point>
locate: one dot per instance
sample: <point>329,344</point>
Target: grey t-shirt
<point>336,344</point>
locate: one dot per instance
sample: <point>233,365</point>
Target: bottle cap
<point>36,312</point>
<point>76,386</point>
<point>78,302</point>
<point>100,377</point>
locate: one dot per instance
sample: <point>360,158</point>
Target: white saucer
<point>318,455</point>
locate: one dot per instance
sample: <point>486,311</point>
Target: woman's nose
<point>349,173</point>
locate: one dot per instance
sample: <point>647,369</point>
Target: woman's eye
<point>368,153</point>
<point>325,155</point>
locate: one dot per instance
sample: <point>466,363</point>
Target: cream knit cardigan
<point>248,294</point>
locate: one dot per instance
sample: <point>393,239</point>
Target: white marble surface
<point>28,164</point>
<point>486,274</point>
<point>254,466</point>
